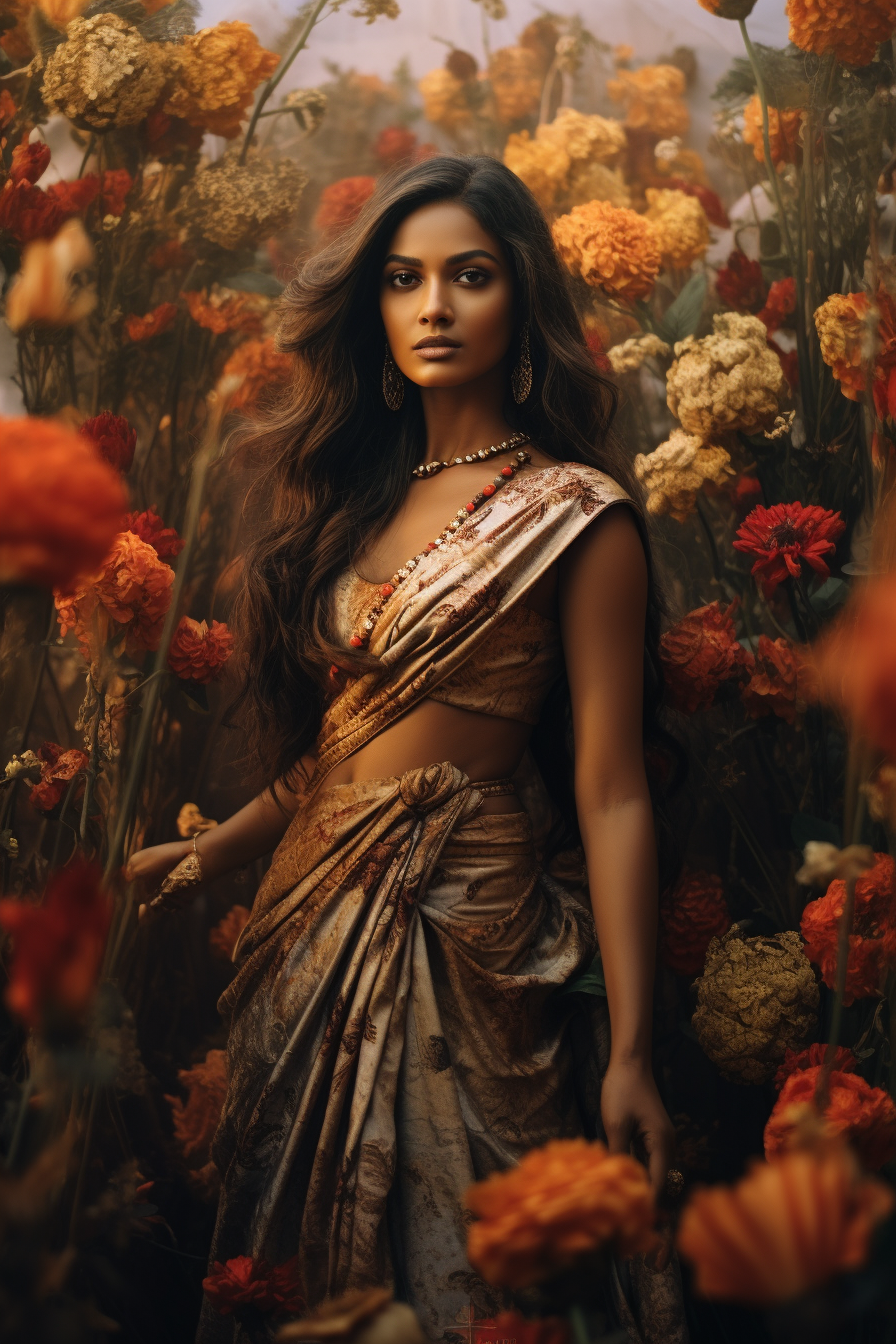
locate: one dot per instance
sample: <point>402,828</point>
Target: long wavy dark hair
<point>334,462</point>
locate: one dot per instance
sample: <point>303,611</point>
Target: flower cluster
<point>680,226</point>
<point>850,29</point>
<point>240,205</point>
<point>785,536</point>
<point>675,472</point>
<point>699,653</point>
<point>198,651</point>
<point>127,599</point>
<point>864,1115</point>
<point>218,70</point>
<point>610,248</point>
<point>114,439</point>
<point>727,381</point>
<point>872,943</point>
<point>794,1060</point>
<point>57,770</point>
<point>653,97</point>
<point>692,913</point>
<point>243,1282</point>
<point>342,202</point>
<point>784,127</point>
<point>105,74</point>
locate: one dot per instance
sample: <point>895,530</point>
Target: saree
<point>397,1023</point>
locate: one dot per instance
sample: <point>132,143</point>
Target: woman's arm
<point>603,600</point>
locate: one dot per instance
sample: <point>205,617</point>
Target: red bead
<point>471,508</point>
<point>507,471</point>
<point>334,670</point>
<point>356,642</point>
<point>430,546</point>
<point>387,590</point>
<point>488,491</point>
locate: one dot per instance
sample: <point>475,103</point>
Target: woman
<point>396,1030</point>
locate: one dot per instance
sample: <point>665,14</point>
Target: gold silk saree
<point>397,1026</point>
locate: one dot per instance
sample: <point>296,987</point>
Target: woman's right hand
<point>149,867</point>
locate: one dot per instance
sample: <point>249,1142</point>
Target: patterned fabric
<point>396,1026</point>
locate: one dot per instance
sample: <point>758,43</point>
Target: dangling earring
<point>393,383</point>
<point>521,378</point>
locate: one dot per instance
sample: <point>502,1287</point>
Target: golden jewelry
<point>186,874</point>
<point>393,383</point>
<point>481,455</point>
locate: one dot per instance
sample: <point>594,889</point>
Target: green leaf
<point>255,282</point>
<point>804,828</point>
<point>589,982</point>
<point>682,317</point>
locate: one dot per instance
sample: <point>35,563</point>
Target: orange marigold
<point>610,247</point>
<point>864,1115</point>
<point>565,1200</point>
<point>218,71</point>
<point>653,98</point>
<point>698,654</point>
<point>127,598</point>
<point>784,125</point>
<point>60,503</point>
<point>196,1121</point>
<point>777,682</point>
<point>784,1229</point>
<point>515,81</point>
<point>842,334</point>
<point>813,1055</point>
<point>198,651</point>
<point>851,29</point>
<point>220,309</point>
<point>263,370</point>
<point>151,324</point>
<point>342,202</point>
<point>691,913</point>
<point>855,659</point>
<point>223,937</point>
<point>871,951</point>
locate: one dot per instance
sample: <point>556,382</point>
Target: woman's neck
<point>463,419</point>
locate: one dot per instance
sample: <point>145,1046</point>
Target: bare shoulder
<point>610,554</point>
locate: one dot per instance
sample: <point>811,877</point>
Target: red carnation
<point>27,213</point>
<point>74,197</point>
<point>113,437</point>
<point>783,536</point>
<point>151,324</point>
<point>777,680</point>
<point>863,1114</point>
<point>780,303</point>
<point>712,207</point>
<point>244,1282</point>
<point>149,527</point>
<point>394,145</point>
<point>740,284</point>
<point>342,202</point>
<point>794,1060</point>
<point>57,769</point>
<point>29,162</point>
<point>698,654</point>
<point>199,651</point>
<point>58,945</point>
<point>691,913</point>
<point>872,943</point>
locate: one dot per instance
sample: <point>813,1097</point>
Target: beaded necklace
<point>361,638</point>
<point>433,468</point>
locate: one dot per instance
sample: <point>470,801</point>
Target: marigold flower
<point>131,591</point>
<point>565,1200</point>
<point>218,71</point>
<point>784,126</point>
<point>196,1120</point>
<point>692,913</point>
<point>220,309</point>
<point>394,145</point>
<point>113,438</point>
<point>698,654</point>
<point>810,1058</point>
<point>152,324</point>
<point>631,354</point>
<point>864,1115</point>
<point>244,1282</point>
<point>712,206</point>
<point>680,226</point>
<point>851,29</point>
<point>342,202</point>
<point>841,323</point>
<point>263,370</point>
<point>784,536</point>
<point>222,939</point>
<point>444,99</point>
<point>674,473</point>
<point>43,292</point>
<point>515,81</point>
<point>780,303</point>
<point>58,946</point>
<point>584,138</point>
<point>105,74</point>
<point>543,167</point>
<point>777,680</point>
<point>29,162</point>
<point>597,182</point>
<point>727,381</point>
<point>784,1229</point>
<point>240,205</point>
<point>653,99</point>
<point>58,768</point>
<point>198,651</point>
<point>60,505</point>
<point>871,952</point>
<point>610,248</point>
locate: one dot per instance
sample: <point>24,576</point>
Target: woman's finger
<point>659,1150</point>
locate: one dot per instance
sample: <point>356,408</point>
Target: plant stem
<point>578,1326</point>
<point>278,74</point>
<point>92,769</point>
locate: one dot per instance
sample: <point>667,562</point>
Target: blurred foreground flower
<point>240,205</point>
<point>43,291</point>
<point>244,1282</point>
<point>196,1120</point>
<point>698,654</point>
<point>855,659</point>
<point>675,472</point>
<point>113,438</point>
<point>148,526</point>
<point>57,946</point>
<point>364,1316</point>
<point>777,680</point>
<point>342,202</point>
<point>217,72</point>
<point>850,29</point>
<point>813,1055</point>
<point>60,504</point>
<point>58,769</point>
<point>199,651</point>
<point>105,73</point>
<point>126,600</point>
<point>864,1115</point>
<point>872,942</point>
<point>568,1199</point>
<point>262,370</point>
<point>653,98</point>
<point>784,536</point>
<point>784,126</point>
<point>785,1228</point>
<point>222,939</point>
<point>692,913</point>
<point>726,381</point>
<point>680,226</point>
<point>823,862</point>
<point>610,248</point>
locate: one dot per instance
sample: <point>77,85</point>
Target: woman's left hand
<point>632,1111</point>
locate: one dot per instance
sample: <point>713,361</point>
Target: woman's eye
<point>473,276</point>
<point>402,279</point>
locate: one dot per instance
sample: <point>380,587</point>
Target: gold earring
<point>393,383</point>
<point>521,378</point>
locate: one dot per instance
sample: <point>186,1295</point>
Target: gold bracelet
<point>188,873</point>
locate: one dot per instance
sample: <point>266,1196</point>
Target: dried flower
<point>29,162</point>
<point>757,997</point>
<point>784,536</point>
<point>542,166</point>
<point>44,291</point>
<point>698,654</point>
<point>60,505</point>
<point>691,914</point>
<point>18,765</point>
<point>728,9</point>
<point>727,381</point>
<point>597,182</point>
<point>196,1121</point>
<point>190,821</point>
<point>784,126</point>
<point>58,768</point>
<point>220,309</point>
<point>841,323</point>
<point>105,74</point>
<point>342,202</point>
<point>152,324</point>
<point>244,1282</point>
<point>166,136</point>
<point>198,651</point>
<point>854,661</point>
<point>112,191</point>
<point>240,205</point>
<point>222,939</point>
<point>445,101</point>
<point>149,527</point>
<point>653,99</point>
<point>565,1200</point>
<point>311,106</point>
<point>784,1229</point>
<point>261,368</point>
<point>739,284</point>
<point>824,862</point>
<point>58,946</point>
<point>864,1115</point>
<point>777,681</point>
<point>674,473</point>
<point>371,10</point>
<point>27,213</point>
<point>680,226</point>
<point>127,598</point>
<point>610,248</point>
<point>851,29</point>
<point>218,71</point>
<point>631,354</point>
<point>872,944</point>
<point>515,81</point>
<point>780,304</point>
<point>584,139</point>
<point>113,438</point>
<point>813,1055</point>
<point>170,256</point>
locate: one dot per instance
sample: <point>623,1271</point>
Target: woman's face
<point>446,297</point>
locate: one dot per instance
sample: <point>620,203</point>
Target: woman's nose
<point>435,306</point>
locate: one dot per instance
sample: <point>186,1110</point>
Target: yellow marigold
<point>610,248</point>
<point>562,1201</point>
<point>597,182</point>
<point>783,132</point>
<point>674,473</point>
<point>105,74</point>
<point>727,381</point>
<point>681,226</point>
<point>851,29</point>
<point>841,323</point>
<point>219,70</point>
<point>516,87</point>
<point>653,99</point>
<point>680,162</point>
<point>543,167</point>
<point>444,100</point>
<point>585,139</point>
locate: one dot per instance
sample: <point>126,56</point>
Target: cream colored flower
<point>444,100</point>
<point>239,205</point>
<point>543,167</point>
<point>43,290</point>
<point>27,761</point>
<point>597,182</point>
<point>631,354</point>
<point>674,473</point>
<point>728,381</point>
<point>823,862</point>
<point>105,74</point>
<point>190,821</point>
<point>680,224</point>
<point>585,139</point>
<point>311,105</point>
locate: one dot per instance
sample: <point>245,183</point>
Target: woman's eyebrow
<point>468,256</point>
<point>404,261</point>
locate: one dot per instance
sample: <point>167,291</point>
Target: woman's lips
<point>436,351</point>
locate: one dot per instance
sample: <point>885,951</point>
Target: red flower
<point>132,591</point>
<point>740,284</point>
<point>149,527</point>
<point>598,354</point>
<point>395,144</point>
<point>27,213</point>
<point>73,198</point>
<point>195,1123</point>
<point>747,492</point>
<point>198,651</point>
<point>222,938</point>
<point>872,946</point>
<point>342,202</point>
<point>114,438</point>
<point>856,662</point>
<point>863,1114</point>
<point>117,182</point>
<point>783,536</point>
<point>775,680</point>
<point>244,1282</point>
<point>712,207</point>
<point>691,913</point>
<point>170,256</point>
<point>29,162</point>
<point>698,654</point>
<point>56,772</point>
<point>794,1060</point>
<point>510,1325</point>
<point>58,945</point>
<point>780,303</point>
<point>152,323</point>
<point>169,135</point>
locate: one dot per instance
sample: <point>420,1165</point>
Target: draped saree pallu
<point>396,1026</point>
